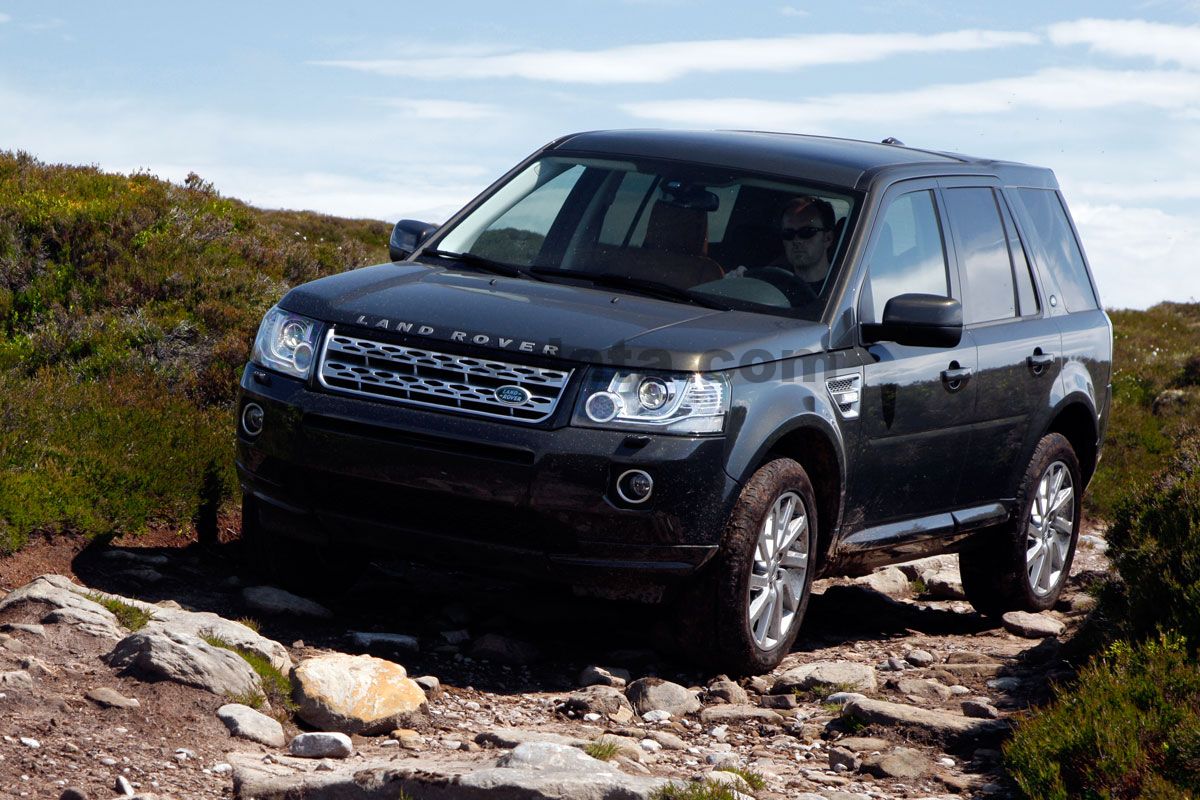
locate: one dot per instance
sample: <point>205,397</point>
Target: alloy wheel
<point>1050,528</point>
<point>779,572</point>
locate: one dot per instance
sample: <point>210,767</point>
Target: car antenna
<point>893,140</point>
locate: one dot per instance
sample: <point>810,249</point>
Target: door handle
<point>956,376</point>
<point>1039,361</point>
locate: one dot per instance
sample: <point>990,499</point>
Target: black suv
<point>703,367</point>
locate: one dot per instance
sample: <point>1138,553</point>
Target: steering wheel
<point>797,290</point>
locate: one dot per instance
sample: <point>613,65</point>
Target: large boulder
<point>357,694</point>
<point>187,659</point>
<point>65,602</point>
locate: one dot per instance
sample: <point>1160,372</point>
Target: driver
<point>807,230</point>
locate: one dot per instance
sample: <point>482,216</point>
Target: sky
<point>388,111</point>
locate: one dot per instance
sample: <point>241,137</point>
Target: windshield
<point>744,241</point>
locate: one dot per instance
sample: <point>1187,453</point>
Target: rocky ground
<point>445,685</point>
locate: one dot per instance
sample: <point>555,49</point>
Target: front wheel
<point>1026,564</point>
<point>763,574</point>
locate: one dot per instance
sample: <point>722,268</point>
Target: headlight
<point>663,402</point>
<point>286,343</point>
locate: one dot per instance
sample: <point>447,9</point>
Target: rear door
<point>1018,343</point>
<point>917,402</point>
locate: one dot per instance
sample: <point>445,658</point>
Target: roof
<point>842,162</point>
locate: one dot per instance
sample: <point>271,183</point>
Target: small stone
<point>759,685</point>
<point>946,761</point>
<point>923,688</point>
<point>111,698</point>
<point>270,600</point>
<point>779,701</point>
<point>959,689</point>
<point>1004,684</point>
<point>395,642</point>
<point>23,627</point>
<point>592,716</point>
<point>1032,626</point>
<point>902,763</point>
<point>728,691</point>
<point>408,739</point>
<point>504,650</point>
<point>656,716</point>
<point>183,754</point>
<point>668,740</point>
<point>863,744</point>
<point>18,680</point>
<point>122,785</point>
<point>980,710</point>
<point>31,743</point>
<point>889,580</point>
<point>596,699</point>
<point>919,658</point>
<point>826,675</point>
<point>651,694</point>
<point>221,768</point>
<point>848,760</point>
<point>73,794</point>
<point>738,715</point>
<point>431,685</point>
<point>841,698</point>
<point>321,745</point>
<point>247,723</point>
<point>601,676</point>
<point>897,664</point>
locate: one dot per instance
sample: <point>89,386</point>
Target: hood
<point>427,305</point>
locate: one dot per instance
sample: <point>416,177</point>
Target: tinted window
<point>982,255</point>
<point>1054,246</point>
<point>908,257</point>
<point>1027,302</point>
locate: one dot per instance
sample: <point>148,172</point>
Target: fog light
<point>635,486</point>
<point>252,419</point>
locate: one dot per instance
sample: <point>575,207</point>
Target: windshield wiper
<point>486,264</point>
<point>663,290</point>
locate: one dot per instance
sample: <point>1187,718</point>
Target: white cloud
<point>5,18</point>
<point>1133,38</point>
<point>792,11</point>
<point>665,61</point>
<point>1059,90</point>
<point>441,109</point>
<point>1140,256</point>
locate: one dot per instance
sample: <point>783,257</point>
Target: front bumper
<point>537,500</point>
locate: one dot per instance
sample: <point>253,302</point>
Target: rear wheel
<point>1025,564</point>
<point>761,579</point>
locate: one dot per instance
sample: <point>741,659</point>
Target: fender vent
<point>846,394</point>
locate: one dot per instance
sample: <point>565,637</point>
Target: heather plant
<point>127,309</point>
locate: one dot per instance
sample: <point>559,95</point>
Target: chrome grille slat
<point>420,377</point>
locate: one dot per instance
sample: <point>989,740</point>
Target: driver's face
<point>806,251</point>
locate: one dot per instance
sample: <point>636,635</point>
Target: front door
<point>917,402</point>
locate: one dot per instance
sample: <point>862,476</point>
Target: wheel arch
<point>812,446</point>
<point>1076,420</point>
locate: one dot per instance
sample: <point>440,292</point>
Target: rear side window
<point>908,256</point>
<point>988,291</point>
<point>1054,246</point>
<point>1026,294</point>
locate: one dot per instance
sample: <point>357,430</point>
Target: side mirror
<point>407,236</point>
<point>921,320</point>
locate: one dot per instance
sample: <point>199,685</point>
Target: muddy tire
<point>757,590</point>
<point>1024,564</point>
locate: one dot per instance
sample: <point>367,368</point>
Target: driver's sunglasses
<point>800,233</point>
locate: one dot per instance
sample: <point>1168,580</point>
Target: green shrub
<point>753,779</point>
<point>1129,728</point>
<point>276,686</point>
<point>129,616</point>
<point>602,750</point>
<point>1154,542</point>
<point>699,790</point>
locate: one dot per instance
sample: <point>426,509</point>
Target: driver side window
<point>908,256</point>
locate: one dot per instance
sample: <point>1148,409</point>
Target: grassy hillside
<point>127,308</point>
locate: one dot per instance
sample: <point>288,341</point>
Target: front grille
<point>463,384</point>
